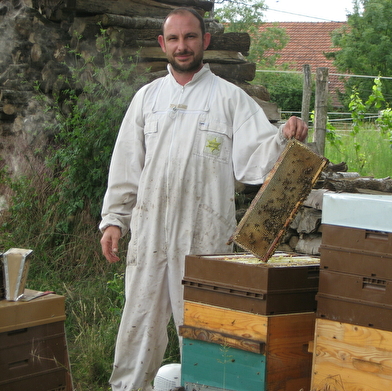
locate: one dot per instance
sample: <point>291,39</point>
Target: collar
<point>197,76</point>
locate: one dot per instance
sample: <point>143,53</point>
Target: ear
<point>206,40</point>
<point>161,41</point>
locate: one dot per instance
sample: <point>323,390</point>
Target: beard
<point>192,66</point>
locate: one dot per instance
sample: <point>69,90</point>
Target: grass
<point>72,265</point>
<point>369,153</point>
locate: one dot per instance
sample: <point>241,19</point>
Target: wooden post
<point>306,93</point>
<point>321,109</point>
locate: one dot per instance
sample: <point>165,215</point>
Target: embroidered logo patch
<point>213,145</point>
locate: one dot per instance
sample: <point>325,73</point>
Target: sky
<point>307,10</point>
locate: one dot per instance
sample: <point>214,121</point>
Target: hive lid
<point>288,184</point>
<point>364,211</point>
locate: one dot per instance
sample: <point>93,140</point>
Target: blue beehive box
<point>222,367</point>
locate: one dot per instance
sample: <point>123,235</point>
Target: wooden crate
<point>33,347</point>
<point>348,357</point>
<point>355,299</point>
<point>282,340</point>
<point>286,284</point>
<point>16,315</point>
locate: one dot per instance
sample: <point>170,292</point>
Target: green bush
<point>285,89</point>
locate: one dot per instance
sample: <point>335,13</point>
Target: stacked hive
<point>33,348</point>
<point>353,336</point>
<point>247,323</point>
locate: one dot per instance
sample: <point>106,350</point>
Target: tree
<point>365,46</point>
<point>285,89</point>
<point>241,16</point>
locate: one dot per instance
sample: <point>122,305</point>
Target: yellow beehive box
<point>283,340</point>
<point>349,357</point>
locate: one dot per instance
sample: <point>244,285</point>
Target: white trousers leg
<point>142,336</point>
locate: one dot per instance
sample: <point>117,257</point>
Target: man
<point>183,140</point>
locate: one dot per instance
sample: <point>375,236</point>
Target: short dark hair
<point>182,11</point>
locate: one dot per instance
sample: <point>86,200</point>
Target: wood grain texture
<point>351,358</point>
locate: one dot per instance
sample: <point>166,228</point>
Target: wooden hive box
<point>348,357</point>
<point>357,234</point>
<point>241,351</point>
<point>356,260</point>
<point>286,284</point>
<point>33,348</point>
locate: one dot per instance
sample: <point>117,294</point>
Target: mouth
<point>183,56</point>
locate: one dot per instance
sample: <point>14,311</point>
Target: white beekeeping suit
<point>171,182</point>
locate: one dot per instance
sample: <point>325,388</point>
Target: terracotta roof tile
<point>308,41</point>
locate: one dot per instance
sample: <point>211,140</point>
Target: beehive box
<point>287,283</point>
<point>355,299</point>
<point>356,260</point>
<point>356,251</point>
<point>22,314</point>
<point>274,347</point>
<point>33,350</point>
<point>357,234</point>
<point>365,211</point>
<point>351,358</point>
<point>221,366</point>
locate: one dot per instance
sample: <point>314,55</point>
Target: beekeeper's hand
<point>109,243</point>
<point>295,128</point>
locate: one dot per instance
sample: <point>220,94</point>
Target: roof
<point>308,41</point>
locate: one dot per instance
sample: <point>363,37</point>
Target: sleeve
<point>125,169</point>
<point>257,144</point>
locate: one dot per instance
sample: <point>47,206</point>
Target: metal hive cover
<point>288,184</point>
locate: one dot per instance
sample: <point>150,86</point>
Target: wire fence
<point>340,120</point>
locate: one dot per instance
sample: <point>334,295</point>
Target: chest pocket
<point>213,140</point>
<point>150,136</point>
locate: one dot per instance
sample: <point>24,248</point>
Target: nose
<point>181,45</point>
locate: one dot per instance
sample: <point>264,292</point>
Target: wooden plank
<point>315,199</point>
<point>351,358</point>
<point>131,22</point>
<point>120,7</point>
<point>288,359</point>
<point>206,5</point>
<point>142,22</point>
<point>234,72</point>
<point>226,321</point>
<point>222,339</point>
<point>231,41</point>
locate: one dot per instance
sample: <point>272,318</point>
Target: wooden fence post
<point>321,109</point>
<point>306,93</point>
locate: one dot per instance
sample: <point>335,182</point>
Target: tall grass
<point>369,152</point>
<point>72,265</point>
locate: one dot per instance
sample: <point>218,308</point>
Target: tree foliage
<point>247,17</point>
<point>285,89</point>
<point>365,45</point>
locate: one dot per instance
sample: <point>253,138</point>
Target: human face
<point>183,43</point>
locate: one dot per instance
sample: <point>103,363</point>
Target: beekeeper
<point>183,140</point>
